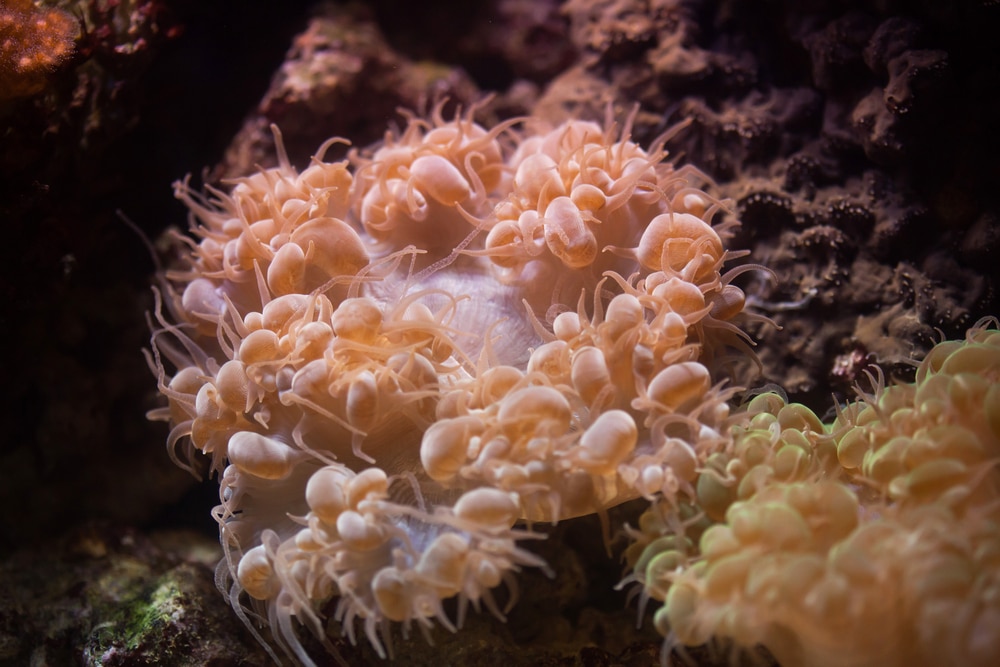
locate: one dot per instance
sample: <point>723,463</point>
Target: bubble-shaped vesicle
<point>869,541</point>
<point>394,358</point>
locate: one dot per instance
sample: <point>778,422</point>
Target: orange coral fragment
<point>32,42</point>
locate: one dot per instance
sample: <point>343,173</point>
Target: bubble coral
<point>873,540</point>
<point>392,359</point>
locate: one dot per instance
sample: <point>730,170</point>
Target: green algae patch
<point>150,624</point>
<point>109,596</point>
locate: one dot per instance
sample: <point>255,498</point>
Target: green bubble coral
<point>874,540</point>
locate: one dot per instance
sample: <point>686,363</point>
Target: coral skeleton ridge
<point>399,363</point>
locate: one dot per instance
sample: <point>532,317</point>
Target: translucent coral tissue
<point>393,359</point>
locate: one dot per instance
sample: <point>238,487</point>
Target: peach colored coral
<point>393,359</point>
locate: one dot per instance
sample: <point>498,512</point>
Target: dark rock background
<point>858,141</point>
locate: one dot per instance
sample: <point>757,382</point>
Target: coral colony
<point>33,42</point>
<point>401,362</point>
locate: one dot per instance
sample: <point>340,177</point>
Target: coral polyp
<point>393,359</point>
<point>872,540</point>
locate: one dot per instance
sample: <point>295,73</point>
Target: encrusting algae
<point>396,360</point>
